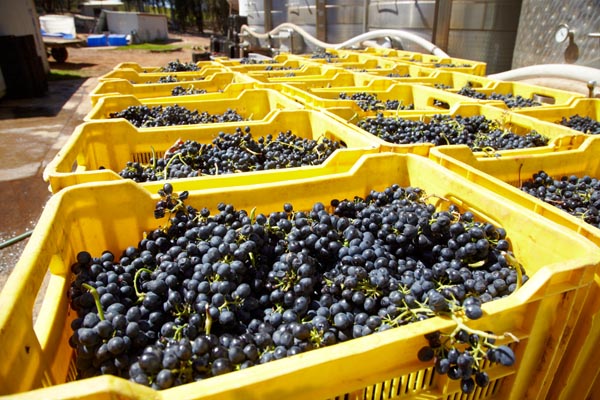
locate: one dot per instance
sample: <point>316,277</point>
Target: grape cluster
<point>451,65</point>
<point>181,91</point>
<point>147,117</point>
<point>280,68</point>
<point>206,294</point>
<point>247,60</point>
<point>579,196</point>
<point>509,99</point>
<point>232,153</point>
<point>583,124</point>
<point>462,355</point>
<point>329,57</point>
<point>477,132</point>
<point>370,102</point>
<point>177,66</point>
<point>165,79</point>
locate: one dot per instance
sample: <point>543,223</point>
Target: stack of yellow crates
<point>551,318</point>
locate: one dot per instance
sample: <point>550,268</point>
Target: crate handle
<point>543,98</point>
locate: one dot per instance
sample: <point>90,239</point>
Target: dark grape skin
<point>576,195</point>
<point>177,66</point>
<point>580,123</point>
<point>509,99</point>
<point>234,152</point>
<point>369,102</point>
<point>143,116</point>
<point>278,302</point>
<point>477,132</point>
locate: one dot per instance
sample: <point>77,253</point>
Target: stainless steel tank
<point>332,21</point>
<point>263,15</point>
<point>482,30</point>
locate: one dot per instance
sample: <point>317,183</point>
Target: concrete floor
<point>31,133</point>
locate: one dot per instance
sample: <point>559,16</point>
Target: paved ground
<point>33,130</point>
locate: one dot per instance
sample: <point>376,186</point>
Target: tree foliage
<point>183,14</point>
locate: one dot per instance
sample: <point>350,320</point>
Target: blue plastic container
<point>96,40</point>
<point>117,40</point>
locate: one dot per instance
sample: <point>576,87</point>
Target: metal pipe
<point>566,71</point>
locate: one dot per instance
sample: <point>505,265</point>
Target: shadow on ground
<point>69,66</point>
<point>48,105</point>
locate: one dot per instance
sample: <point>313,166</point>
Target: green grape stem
<point>139,294</point>
<point>208,321</point>
<point>96,297</point>
<point>460,325</point>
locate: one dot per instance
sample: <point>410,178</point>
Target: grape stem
<point>285,144</point>
<point>460,325</point>
<point>139,294</point>
<point>208,320</point>
<point>96,297</point>
<point>166,170</point>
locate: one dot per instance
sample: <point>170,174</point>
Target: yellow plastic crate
<point>329,56</point>
<point>356,61</point>
<point>432,61</point>
<point>288,66</point>
<point>383,365</point>
<point>213,83</point>
<point>577,375</point>
<point>451,64</point>
<point>276,76</point>
<point>457,80</point>
<point>545,96</point>
<point>252,104</point>
<point>395,53</point>
<point>111,144</point>
<point>331,79</point>
<point>421,97</point>
<point>581,106</point>
<point>153,77</point>
<point>559,137</point>
<point>139,68</point>
<point>404,73</point>
<point>237,62</point>
<point>312,74</point>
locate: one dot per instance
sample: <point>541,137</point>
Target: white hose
<point>396,33</point>
<point>566,71</point>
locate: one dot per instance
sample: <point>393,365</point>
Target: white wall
<point>148,27</point>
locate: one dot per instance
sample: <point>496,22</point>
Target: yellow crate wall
<point>580,106</point>
<point>112,215</point>
<point>146,69</point>
<point>111,144</point>
<point>213,83</point>
<point>251,104</point>
<point>575,378</point>
<point>421,97</point>
<point>547,97</point>
<point>138,77</point>
<point>560,137</point>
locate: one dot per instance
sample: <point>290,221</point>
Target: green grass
<point>62,75</point>
<point>155,47</point>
